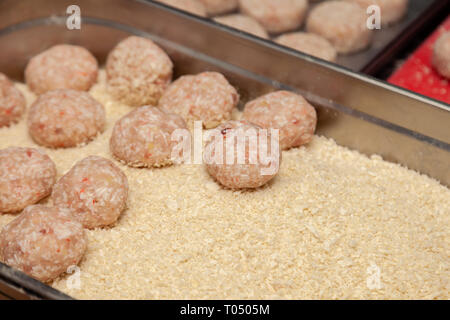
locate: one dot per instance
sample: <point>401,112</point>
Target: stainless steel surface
<point>358,112</point>
<point>17,285</point>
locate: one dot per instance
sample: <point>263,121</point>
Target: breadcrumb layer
<point>322,229</point>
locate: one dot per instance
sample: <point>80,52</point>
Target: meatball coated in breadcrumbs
<point>250,163</point>
<point>62,67</point>
<point>207,97</point>
<point>95,190</point>
<point>142,138</point>
<point>276,16</point>
<point>215,7</point>
<point>342,23</point>
<point>12,102</point>
<point>65,118</point>
<point>138,71</point>
<point>286,111</point>
<point>243,23</point>
<point>27,175</point>
<point>43,242</point>
<point>309,43</point>
<point>191,6</point>
<point>441,55</point>
<point>391,10</point>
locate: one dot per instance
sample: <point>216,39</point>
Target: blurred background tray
<point>390,39</point>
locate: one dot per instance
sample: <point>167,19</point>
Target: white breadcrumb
<point>316,231</point>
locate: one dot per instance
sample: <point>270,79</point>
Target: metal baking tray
<point>357,111</point>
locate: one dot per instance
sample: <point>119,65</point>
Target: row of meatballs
<point>139,74</point>
<point>332,27</point>
<point>44,241</point>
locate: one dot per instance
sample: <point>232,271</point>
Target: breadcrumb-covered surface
<point>333,224</point>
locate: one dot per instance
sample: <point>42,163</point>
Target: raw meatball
<point>27,175</point>
<point>138,71</point>
<point>142,138</point>
<point>391,10</point>
<point>286,111</point>
<point>215,7</point>
<point>244,23</point>
<point>43,242</point>
<point>12,102</point>
<point>441,55</point>
<point>65,118</point>
<point>309,43</point>
<point>191,6</point>
<point>244,173</point>
<point>342,23</point>
<point>276,16</point>
<point>207,97</point>
<point>61,67</point>
<point>95,190</point>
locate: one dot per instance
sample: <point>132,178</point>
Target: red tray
<point>417,73</point>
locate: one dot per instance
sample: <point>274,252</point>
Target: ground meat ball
<point>62,67</point>
<point>286,111</point>
<point>276,16</point>
<point>27,175</point>
<point>95,190</point>
<point>244,174</point>
<point>441,55</point>
<point>12,102</point>
<point>191,6</point>
<point>207,97</point>
<point>215,7</point>
<point>138,71</point>
<point>309,43</point>
<point>142,138</point>
<point>391,10</point>
<point>65,118</point>
<point>43,242</point>
<point>244,23</point>
<point>341,23</point>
